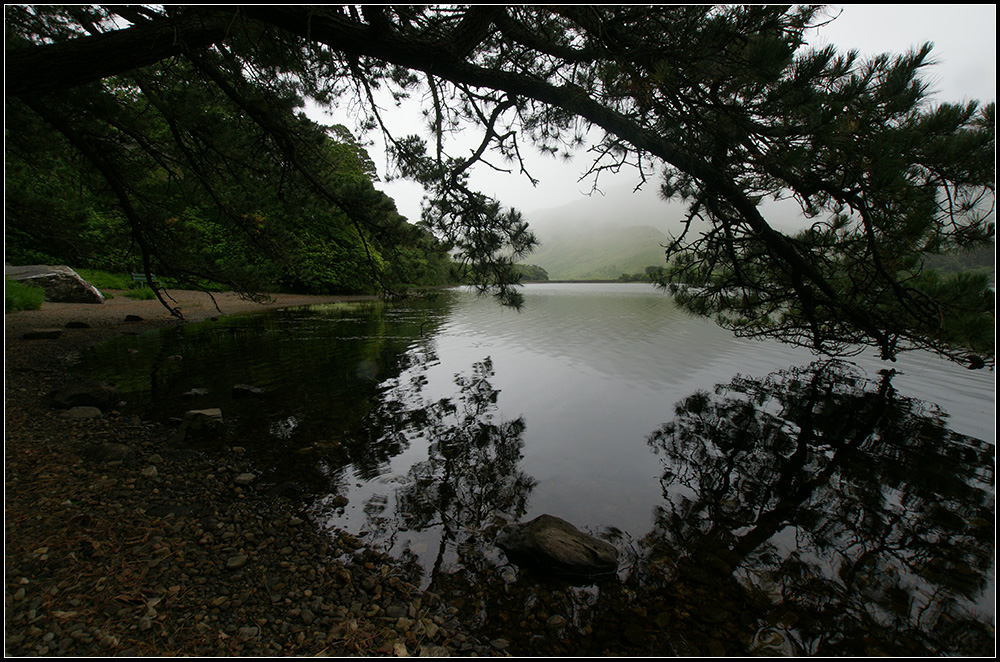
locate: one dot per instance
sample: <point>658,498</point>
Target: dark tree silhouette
<point>723,105</point>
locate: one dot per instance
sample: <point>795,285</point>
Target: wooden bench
<point>141,278</point>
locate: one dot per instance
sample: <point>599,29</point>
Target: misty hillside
<point>602,237</point>
<point>599,253</point>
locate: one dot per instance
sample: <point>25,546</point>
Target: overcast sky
<point>965,49</point>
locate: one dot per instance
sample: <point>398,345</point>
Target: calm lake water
<point>762,501</point>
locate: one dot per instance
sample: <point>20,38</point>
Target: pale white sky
<point>964,38</point>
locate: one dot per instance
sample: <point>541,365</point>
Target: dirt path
<point>193,305</point>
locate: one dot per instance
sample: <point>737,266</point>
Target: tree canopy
<point>723,107</point>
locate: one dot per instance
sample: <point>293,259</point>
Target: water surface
<point>760,499</point>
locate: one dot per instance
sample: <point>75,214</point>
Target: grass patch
<point>21,296</point>
<point>142,294</point>
<point>104,280</point>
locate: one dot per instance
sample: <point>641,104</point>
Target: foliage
<point>724,105</point>
<point>635,278</point>
<point>21,296</point>
<point>983,259</point>
<point>531,272</point>
<point>182,169</point>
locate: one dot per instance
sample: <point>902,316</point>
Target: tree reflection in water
<point>811,512</point>
<point>854,522</point>
<point>471,483</point>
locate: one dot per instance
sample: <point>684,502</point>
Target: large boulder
<point>555,544</point>
<point>61,284</point>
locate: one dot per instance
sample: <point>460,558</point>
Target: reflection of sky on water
<point>396,408</point>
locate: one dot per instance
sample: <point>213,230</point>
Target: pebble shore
<point>119,543</point>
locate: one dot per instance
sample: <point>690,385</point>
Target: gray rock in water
<point>556,544</point>
<point>204,421</point>
<point>85,394</point>
<point>61,284</point>
<point>247,391</point>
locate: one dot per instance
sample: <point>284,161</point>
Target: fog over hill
<point>604,236</point>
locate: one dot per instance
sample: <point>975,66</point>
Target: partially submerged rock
<point>247,391</point>
<point>554,543</point>
<point>204,421</point>
<point>85,394</point>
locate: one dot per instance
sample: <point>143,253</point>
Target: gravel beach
<point>119,543</point>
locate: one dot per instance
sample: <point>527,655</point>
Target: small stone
<point>150,472</point>
<point>395,611</point>
<point>155,459</point>
<point>245,479</point>
<point>248,632</point>
<point>434,651</point>
<point>556,622</point>
<point>663,619</point>
<point>238,561</point>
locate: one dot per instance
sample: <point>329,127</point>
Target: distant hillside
<point>599,252</point>
<point>602,237</point>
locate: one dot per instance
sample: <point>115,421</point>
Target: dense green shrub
<point>21,296</point>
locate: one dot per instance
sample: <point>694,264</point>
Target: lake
<point>762,501</point>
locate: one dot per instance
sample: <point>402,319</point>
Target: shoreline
<point>160,550</point>
<point>194,305</point>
